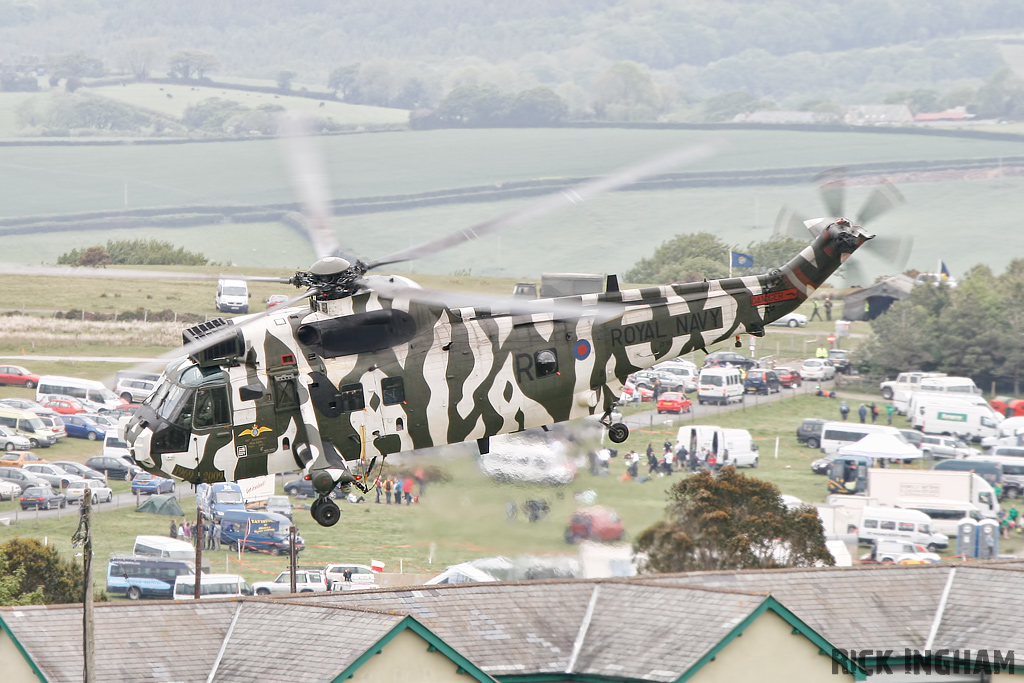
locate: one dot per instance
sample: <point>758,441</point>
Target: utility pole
<point>83,538</point>
<point>292,556</point>
<point>198,536</point>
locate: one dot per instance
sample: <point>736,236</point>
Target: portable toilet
<point>988,539</point>
<point>966,537</point>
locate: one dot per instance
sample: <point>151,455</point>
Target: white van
<point>945,514</point>
<point>27,424</point>
<point>695,437</point>
<point>164,546</point>
<point>719,385</point>
<point>905,383</point>
<point>955,386</point>
<point>834,435</point>
<point>232,296</point>
<point>920,399</point>
<point>210,586</point>
<point>85,390</point>
<point>962,420</point>
<point>740,449</point>
<point>913,526</point>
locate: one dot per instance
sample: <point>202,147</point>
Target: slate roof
<point>983,610</point>
<point>137,641</point>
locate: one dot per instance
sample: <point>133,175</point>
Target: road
<point>186,499</point>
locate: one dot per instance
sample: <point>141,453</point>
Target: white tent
<point>881,446</point>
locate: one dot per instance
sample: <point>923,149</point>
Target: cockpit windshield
<point>176,394</point>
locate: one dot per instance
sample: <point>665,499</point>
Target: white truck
<point>889,485</point>
<point>944,386</point>
<point>968,421</point>
<point>919,399</point>
<point>905,382</point>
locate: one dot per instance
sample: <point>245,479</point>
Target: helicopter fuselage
<point>351,378</point>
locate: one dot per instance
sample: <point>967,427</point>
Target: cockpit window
<point>212,408</point>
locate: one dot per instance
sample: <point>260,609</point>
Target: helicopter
<point>360,366</point>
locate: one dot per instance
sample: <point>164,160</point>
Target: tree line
<point>693,257</point>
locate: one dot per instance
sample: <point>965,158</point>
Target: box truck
<point>887,486</point>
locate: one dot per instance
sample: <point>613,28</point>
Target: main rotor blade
<point>880,201</point>
<point>895,250</point>
<point>854,274</point>
<point>105,274</point>
<point>559,200</point>
<point>307,172</point>
<point>790,224</point>
<point>832,189</point>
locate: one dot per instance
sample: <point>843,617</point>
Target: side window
<point>352,398</point>
<point>393,390</point>
<point>212,408</point>
<point>546,362</point>
<point>870,523</point>
<point>8,422</point>
<point>906,526</point>
<point>889,525</point>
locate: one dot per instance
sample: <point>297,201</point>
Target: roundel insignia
<point>582,349</point>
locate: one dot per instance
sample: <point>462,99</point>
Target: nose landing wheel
<point>325,511</point>
<point>618,432</point>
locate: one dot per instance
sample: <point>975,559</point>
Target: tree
<point>10,586</point>
<point>537,107</point>
<point>343,81</point>
<point>726,106</point>
<point>731,521</point>
<point>94,257</point>
<point>684,258</point>
<point>774,252</point>
<point>43,570</point>
<point>76,65</point>
<point>284,80</point>
<point>185,64</point>
<point>140,56</point>
<point>626,89</point>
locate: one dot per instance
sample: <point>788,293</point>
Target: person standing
<point>398,490</point>
<point>828,308</point>
<point>216,535</point>
<point>815,315</point>
<point>874,412</point>
<point>407,488</point>
<point>863,412</point>
<point>208,530</point>
<point>388,486</point>
<point>181,530</point>
<point>669,457</point>
<point>377,485</point>
<point>844,409</point>
<point>174,529</point>
<point>889,410</point>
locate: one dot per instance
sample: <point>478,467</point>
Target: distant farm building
<point>879,115</point>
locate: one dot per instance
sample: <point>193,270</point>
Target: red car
<point>15,374</point>
<point>790,378</point>
<point>672,402</point>
<point>595,523</point>
<point>62,405</point>
<point>645,393</point>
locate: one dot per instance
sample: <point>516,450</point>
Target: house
<point>879,115</point>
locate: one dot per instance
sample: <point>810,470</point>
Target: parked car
<point>41,498</point>
<point>729,357</point>
<point>280,505</point>
<point>63,405</point>
<point>115,467</point>
<point>107,420</point>
<point>9,490</point>
<point>134,390</point>
<point>75,493</point>
<point>54,475</point>
<point>17,375</point>
<point>11,441</point>
<point>913,437</point>
<point>939,447</point>
<point>276,300</point>
<point>673,402</point>
<point>817,369</point>
<point>54,424</point>
<point>595,523</point>
<point>306,581</point>
<point>793,319</point>
<point>809,432</point>
<point>84,428</point>
<point>80,469</point>
<point>668,381</point>
<point>841,360</point>
<point>24,404</point>
<point>900,552</point>
<point>21,478</point>
<point>358,575</point>
<point>19,458</point>
<point>762,382</point>
<point>789,377</point>
<point>629,390</point>
<point>144,482</point>
<point>303,488</point>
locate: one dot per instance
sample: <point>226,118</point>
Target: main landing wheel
<point>618,432</point>
<point>325,511</point>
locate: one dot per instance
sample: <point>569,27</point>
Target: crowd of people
<point>672,459</point>
<point>399,489</point>
<point>186,531</point>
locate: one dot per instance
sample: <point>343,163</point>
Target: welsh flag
<point>376,565</point>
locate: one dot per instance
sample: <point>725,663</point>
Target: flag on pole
<point>376,565</point>
<point>742,260</point>
<point>943,270</point>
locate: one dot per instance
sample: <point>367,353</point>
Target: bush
<point>135,253</point>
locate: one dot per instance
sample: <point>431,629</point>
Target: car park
<point>306,581</point>
<point>9,490</point>
<point>54,475</point>
<point>673,402</point>
<point>84,428</point>
<point>793,319</point>
<point>145,482</point>
<point>113,466</point>
<point>817,369</point>
<point>19,458</point>
<point>20,477</point>
<point>18,376</point>
<point>62,405</point>
<point>11,441</point>
<point>809,431</point>
<point>41,498</point>
<point>762,382</point>
<point>788,377</point>
<point>75,493</point>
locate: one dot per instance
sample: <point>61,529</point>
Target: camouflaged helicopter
<point>359,367</point>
